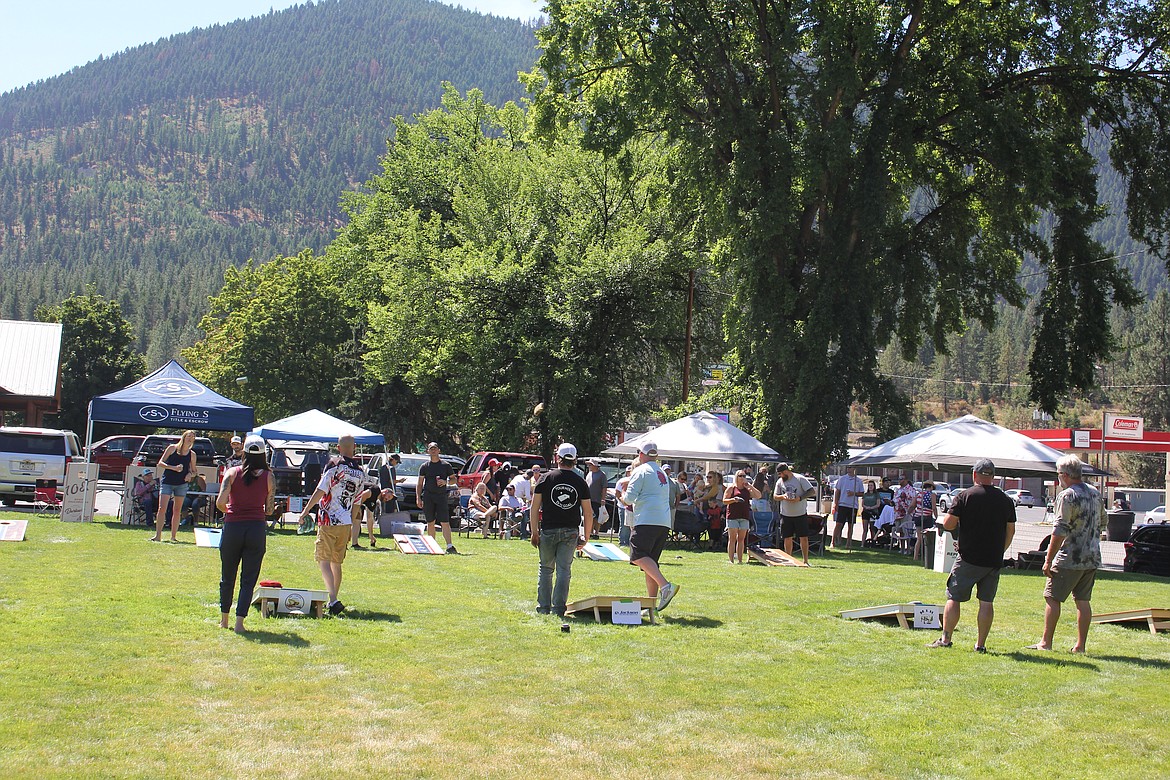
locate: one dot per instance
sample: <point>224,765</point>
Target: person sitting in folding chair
<point>512,512</point>
<point>144,495</point>
<point>481,509</point>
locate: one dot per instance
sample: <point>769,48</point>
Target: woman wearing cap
<point>246,497</point>
<point>738,498</point>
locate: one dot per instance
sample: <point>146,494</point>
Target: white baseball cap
<point>237,440</point>
<point>648,448</point>
<point>253,443</point>
<point>567,452</point>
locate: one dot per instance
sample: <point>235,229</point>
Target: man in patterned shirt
<point>1074,552</point>
<point>338,492</point>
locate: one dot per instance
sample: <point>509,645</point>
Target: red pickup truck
<point>476,465</point>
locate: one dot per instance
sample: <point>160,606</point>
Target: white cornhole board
<point>290,601</point>
<point>605,551</point>
<point>208,537</point>
<point>596,605</point>
<point>418,545</point>
<point>77,503</point>
<point>946,551</point>
<point>13,530</point>
<point>907,615</point>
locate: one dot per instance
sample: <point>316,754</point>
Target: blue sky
<point>43,39</point>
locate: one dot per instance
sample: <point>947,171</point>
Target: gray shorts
<point>1075,582</point>
<point>965,576</point>
<point>740,523</point>
<point>178,491</point>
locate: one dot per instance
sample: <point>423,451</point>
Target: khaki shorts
<point>332,541</point>
<point>1078,582</point>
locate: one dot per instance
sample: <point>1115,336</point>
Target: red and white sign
<point>1118,426</point>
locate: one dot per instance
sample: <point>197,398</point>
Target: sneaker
<point>668,592</point>
<point>356,546</point>
<point>373,543</point>
<point>336,608</point>
<point>451,550</point>
<point>940,642</point>
<point>543,611</point>
<point>980,649</point>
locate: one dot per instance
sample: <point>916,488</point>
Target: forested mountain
<point>147,173</point>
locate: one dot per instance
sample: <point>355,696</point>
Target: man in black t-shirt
<point>430,493</point>
<point>558,503</point>
<point>986,519</point>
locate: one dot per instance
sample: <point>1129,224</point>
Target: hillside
<point>146,173</point>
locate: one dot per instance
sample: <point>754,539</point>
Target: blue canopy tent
<point>315,425</point>
<point>170,397</point>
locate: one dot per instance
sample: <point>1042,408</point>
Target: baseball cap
<point>782,466</point>
<point>985,467</point>
<point>648,448</point>
<point>253,444</point>
<point>567,452</point>
<point>493,462</point>
<point>237,440</point>
<point>593,462</point>
<point>667,467</point>
<point>507,464</point>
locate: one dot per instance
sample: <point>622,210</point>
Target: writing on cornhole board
<point>626,613</point>
<point>926,616</point>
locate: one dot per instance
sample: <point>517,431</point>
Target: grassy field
<point>113,666</point>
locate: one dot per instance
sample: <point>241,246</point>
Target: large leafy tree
<point>873,172</point>
<point>1145,384</point>
<point>97,353</point>
<point>281,325</point>
<point>536,291</point>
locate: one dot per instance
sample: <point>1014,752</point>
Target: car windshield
<point>31,444</point>
<point>410,465</point>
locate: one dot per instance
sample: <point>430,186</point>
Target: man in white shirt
<point>648,492</point>
<point>511,506</point>
<point>523,484</point>
<point>792,494</point>
<point>846,500</point>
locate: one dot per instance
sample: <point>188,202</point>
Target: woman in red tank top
<point>738,498</point>
<point>247,497</point>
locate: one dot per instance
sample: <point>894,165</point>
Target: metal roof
<point>30,358</point>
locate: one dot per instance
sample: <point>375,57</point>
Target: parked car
<point>1148,550</point>
<point>31,454</point>
<point>1021,497</point>
<point>473,469</point>
<point>1156,515</point>
<point>152,448</point>
<point>946,500</point>
<point>297,465</point>
<point>113,454</point>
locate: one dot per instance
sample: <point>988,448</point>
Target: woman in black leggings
<point>246,498</point>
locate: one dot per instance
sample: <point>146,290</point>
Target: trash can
<point>1119,525</point>
<point>928,543</point>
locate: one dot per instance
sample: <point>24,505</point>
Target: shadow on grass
<point>690,622</point>
<point>1149,663</point>
<point>274,638</point>
<point>1051,658</point>
<point>371,616</point>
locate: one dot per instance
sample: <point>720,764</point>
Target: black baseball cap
<point>985,467</point>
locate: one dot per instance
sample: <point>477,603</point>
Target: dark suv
<point>151,450</point>
<point>1148,550</point>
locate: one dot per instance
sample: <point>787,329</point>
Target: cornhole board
<point>290,601</point>
<point>905,614</point>
<point>605,551</point>
<point>418,545</point>
<point>208,537</point>
<point>770,556</point>
<point>13,530</point>
<point>599,604</point>
<point>1156,619</point>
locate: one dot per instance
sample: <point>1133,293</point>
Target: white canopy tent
<point>700,436</point>
<point>956,445</point>
<point>315,425</point>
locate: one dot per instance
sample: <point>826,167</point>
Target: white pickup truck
<point>31,454</point>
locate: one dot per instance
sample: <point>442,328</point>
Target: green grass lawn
<point>112,665</point>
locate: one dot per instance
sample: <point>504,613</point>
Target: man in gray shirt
<point>1074,552</point>
<point>792,493</point>
<point>595,479</point>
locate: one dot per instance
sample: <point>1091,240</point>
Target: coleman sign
<point>1120,426</point>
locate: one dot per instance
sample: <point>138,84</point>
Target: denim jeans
<point>557,546</point>
<point>624,530</point>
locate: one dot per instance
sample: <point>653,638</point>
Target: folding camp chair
<point>46,499</point>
